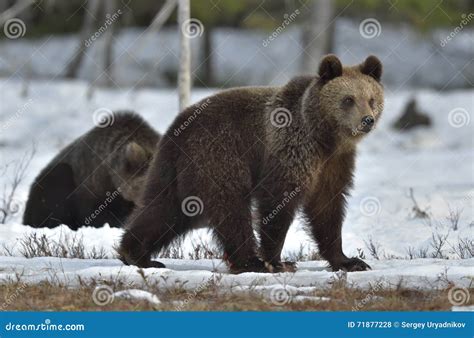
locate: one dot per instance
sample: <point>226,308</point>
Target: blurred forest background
<point>241,42</point>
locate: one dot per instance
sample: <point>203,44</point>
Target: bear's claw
<point>275,267</point>
<point>353,264</point>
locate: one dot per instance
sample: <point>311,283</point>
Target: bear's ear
<point>372,67</point>
<point>134,153</point>
<point>329,68</point>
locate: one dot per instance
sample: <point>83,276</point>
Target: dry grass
<point>51,297</point>
<point>36,245</point>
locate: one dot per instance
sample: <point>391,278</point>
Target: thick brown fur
<point>241,148</point>
<point>96,179</point>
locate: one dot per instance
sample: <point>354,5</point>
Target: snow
<point>463,308</point>
<point>189,275</point>
<point>437,163</point>
<point>138,295</point>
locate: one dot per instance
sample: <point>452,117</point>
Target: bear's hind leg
<point>232,227</point>
<point>150,229</point>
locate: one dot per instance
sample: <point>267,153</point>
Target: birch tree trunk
<point>184,74</point>
<point>317,34</point>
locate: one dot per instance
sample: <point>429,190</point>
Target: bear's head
<point>350,98</point>
<point>131,163</point>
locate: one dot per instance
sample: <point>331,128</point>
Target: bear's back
<point>90,155</point>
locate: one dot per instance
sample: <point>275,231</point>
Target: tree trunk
<point>156,24</point>
<point>109,9</point>
<point>14,10</point>
<point>163,15</point>
<point>318,34</point>
<point>90,18</point>
<point>208,73</point>
<point>184,74</point>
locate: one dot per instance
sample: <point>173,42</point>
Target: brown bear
<point>283,148</point>
<point>96,179</point>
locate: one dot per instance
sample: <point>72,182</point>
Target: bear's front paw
<point>275,267</point>
<point>352,264</point>
<point>153,264</point>
<point>141,263</point>
<point>252,265</point>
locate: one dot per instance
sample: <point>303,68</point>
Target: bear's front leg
<point>325,222</point>
<point>272,228</point>
<point>324,210</point>
<point>277,201</point>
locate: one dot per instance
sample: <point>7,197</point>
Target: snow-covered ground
<point>186,274</point>
<point>437,163</point>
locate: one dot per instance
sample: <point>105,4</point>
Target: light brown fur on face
<point>366,94</point>
<point>260,144</point>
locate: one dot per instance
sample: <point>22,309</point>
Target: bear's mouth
<point>361,130</point>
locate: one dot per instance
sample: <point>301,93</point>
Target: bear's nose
<point>368,121</point>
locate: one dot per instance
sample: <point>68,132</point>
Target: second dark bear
<point>283,147</point>
<point>96,179</point>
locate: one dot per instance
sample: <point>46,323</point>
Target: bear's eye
<point>372,103</point>
<point>348,101</point>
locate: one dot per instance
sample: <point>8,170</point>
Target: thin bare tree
<point>14,10</point>
<point>163,15</point>
<point>88,26</point>
<point>109,8</point>
<point>184,73</point>
<point>317,34</point>
<point>9,205</point>
<point>156,24</point>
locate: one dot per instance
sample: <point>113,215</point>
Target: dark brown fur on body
<point>96,179</point>
<point>239,149</point>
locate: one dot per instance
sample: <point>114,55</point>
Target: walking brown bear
<point>260,144</point>
<point>96,179</point>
